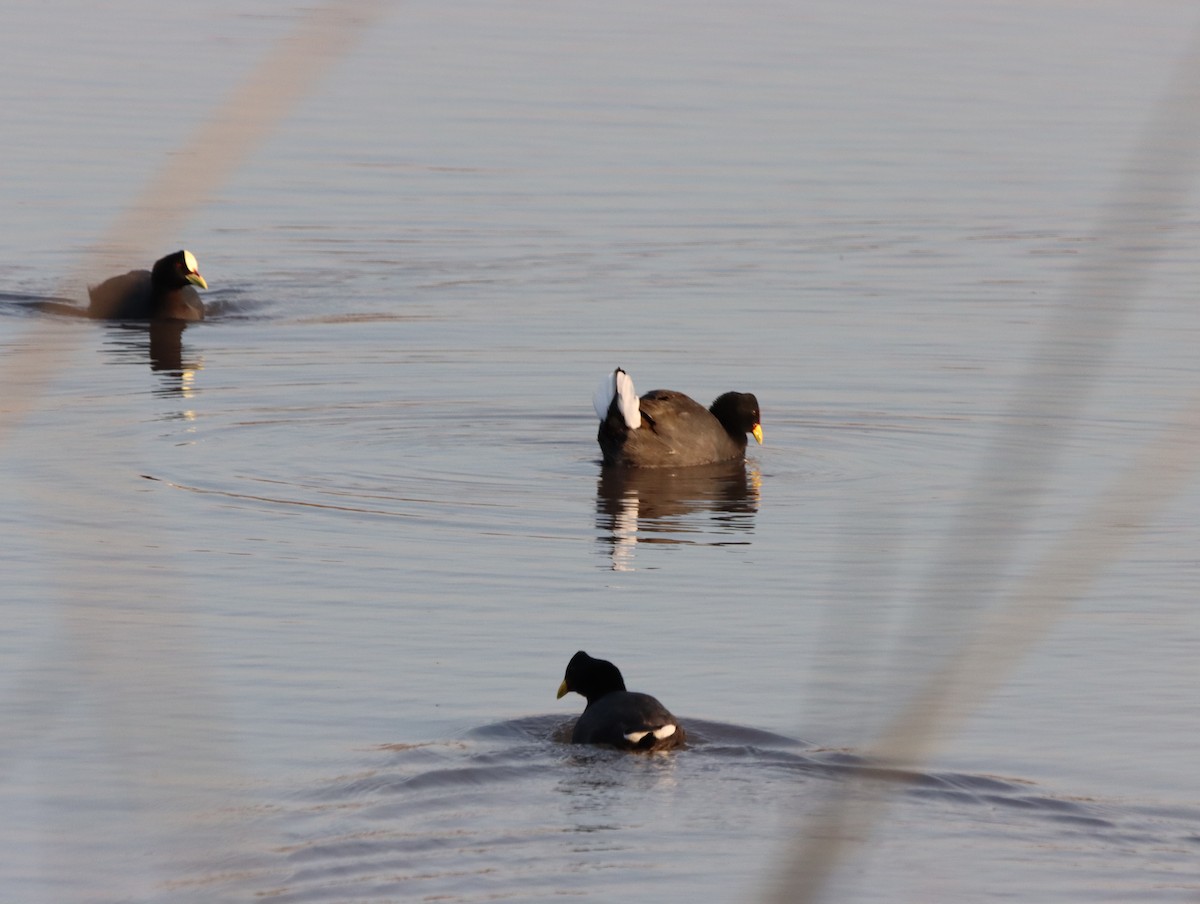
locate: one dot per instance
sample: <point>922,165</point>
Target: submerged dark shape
<point>614,716</point>
<point>164,293</point>
<point>665,429</point>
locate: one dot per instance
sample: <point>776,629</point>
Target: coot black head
<point>614,716</point>
<point>667,429</point>
<point>738,413</point>
<point>590,678</point>
<point>176,271</point>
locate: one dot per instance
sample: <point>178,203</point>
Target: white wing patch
<point>661,734</point>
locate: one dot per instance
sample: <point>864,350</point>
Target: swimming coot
<point>165,293</point>
<point>613,715</point>
<point>666,429</point>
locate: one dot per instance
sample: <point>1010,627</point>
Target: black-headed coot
<point>613,715</point>
<point>165,293</point>
<point>665,429</point>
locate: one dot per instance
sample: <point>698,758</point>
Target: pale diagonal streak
<point>1073,349</point>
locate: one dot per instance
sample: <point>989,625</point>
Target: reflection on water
<point>656,505</point>
<point>161,345</point>
<point>166,346</point>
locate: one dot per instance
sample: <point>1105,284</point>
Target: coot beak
<point>563,690</point>
<point>196,280</point>
<point>757,431</point>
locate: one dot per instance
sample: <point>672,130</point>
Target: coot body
<point>614,716</point>
<point>667,429</point>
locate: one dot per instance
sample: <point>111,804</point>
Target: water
<point>288,595</point>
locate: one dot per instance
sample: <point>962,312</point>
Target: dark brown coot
<point>665,429</point>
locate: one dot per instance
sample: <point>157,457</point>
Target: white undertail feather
<point>627,398</point>
<point>618,385</point>
<point>661,734</point>
<point>604,394</point>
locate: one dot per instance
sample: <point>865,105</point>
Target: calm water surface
<point>287,595</point>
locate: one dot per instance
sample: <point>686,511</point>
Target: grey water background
<point>286,606</point>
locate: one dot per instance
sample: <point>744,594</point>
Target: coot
<point>613,715</point>
<point>666,429</point>
<point>165,293</point>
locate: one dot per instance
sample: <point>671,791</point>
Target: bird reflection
<point>161,344</point>
<point>167,358</point>
<point>656,505</point>
<point>166,346</point>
